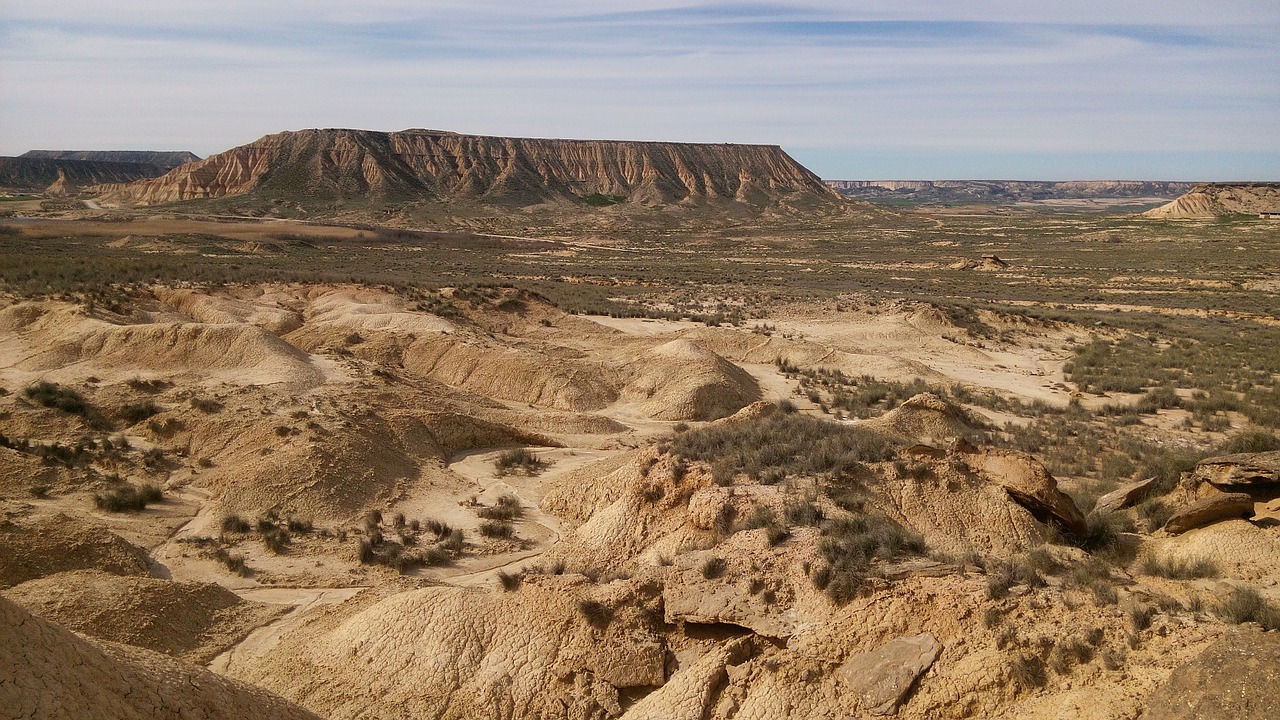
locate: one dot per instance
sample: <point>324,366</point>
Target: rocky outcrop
<point>882,677</point>
<point>1124,496</point>
<point>51,673</point>
<point>1027,482</point>
<point>1236,677</point>
<point>1215,508</point>
<point>415,165</point>
<point>1210,200</point>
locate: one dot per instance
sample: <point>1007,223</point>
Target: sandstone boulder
<point>882,677</point>
<point>1236,677</point>
<point>1242,469</point>
<point>1123,496</point>
<point>1027,482</point>
<point>1224,506</point>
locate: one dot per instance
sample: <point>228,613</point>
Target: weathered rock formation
<point>1209,200</point>
<point>415,165</point>
<point>1124,496</point>
<point>1242,470</point>
<point>882,677</point>
<point>1215,508</point>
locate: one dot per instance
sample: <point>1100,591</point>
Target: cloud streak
<point>844,85</point>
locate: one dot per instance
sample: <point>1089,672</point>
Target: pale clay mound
<point>681,380</point>
<point>926,418</point>
<point>41,341</point>
<point>31,549</point>
<point>190,620</point>
<point>54,674</point>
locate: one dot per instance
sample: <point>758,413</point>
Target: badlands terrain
<point>684,442</point>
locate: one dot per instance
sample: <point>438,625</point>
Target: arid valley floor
<point>570,462</point>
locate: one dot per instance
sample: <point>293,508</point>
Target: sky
<point>854,89</point>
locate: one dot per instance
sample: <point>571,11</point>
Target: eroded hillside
<point>466,502</point>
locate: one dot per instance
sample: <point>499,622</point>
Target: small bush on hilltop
<point>791,443</point>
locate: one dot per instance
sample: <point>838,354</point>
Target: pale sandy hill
<point>926,418</point>
<point>51,674</point>
<point>680,380</point>
<point>36,548</point>
<point>20,473</point>
<point>362,309</point>
<point>458,653</point>
<point>221,310</point>
<point>564,382</point>
<point>191,620</point>
<point>335,464</point>
<point>45,339</point>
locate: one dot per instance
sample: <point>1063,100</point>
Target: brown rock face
<point>1224,506</point>
<point>1236,677</point>
<point>883,676</point>
<point>327,165</point>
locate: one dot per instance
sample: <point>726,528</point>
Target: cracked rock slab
<point>882,677</point>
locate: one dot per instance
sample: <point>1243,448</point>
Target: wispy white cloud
<point>831,79</point>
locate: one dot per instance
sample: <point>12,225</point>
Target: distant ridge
<point>1209,200</point>
<point>1005,190</point>
<point>64,176</point>
<point>315,167</point>
<point>162,158</point>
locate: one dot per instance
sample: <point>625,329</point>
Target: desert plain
<point>744,451</point>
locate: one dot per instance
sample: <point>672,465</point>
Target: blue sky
<point>870,89</point>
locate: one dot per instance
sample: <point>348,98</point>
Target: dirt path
<point>540,529</point>
<point>259,642</point>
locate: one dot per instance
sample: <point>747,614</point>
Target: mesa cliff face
<point>414,165</point>
<point>1209,200</point>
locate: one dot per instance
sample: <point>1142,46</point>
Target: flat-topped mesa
<point>414,165</point>
<point>163,158</point>
<point>1210,200</point>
